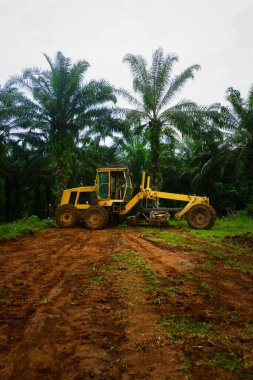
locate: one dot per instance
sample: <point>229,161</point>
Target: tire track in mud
<point>165,260</point>
<point>148,355</point>
<point>57,322</point>
<point>52,333</point>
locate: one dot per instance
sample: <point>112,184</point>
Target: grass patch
<point>80,289</point>
<point>174,239</point>
<point>195,334</point>
<point>69,279</point>
<point>97,279</point>
<point>227,360</point>
<point>203,288</point>
<point>185,241</point>
<point>132,259</point>
<point>208,241</point>
<point>180,327</point>
<point>119,313</point>
<point>238,223</point>
<point>206,265</point>
<point>249,327</point>
<point>3,292</point>
<point>23,227</point>
<point>98,273</point>
<point>132,262</point>
<point>241,266</point>
<point>203,346</point>
<point>44,300</point>
<point>187,276</point>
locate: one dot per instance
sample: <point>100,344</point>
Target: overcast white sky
<point>217,34</point>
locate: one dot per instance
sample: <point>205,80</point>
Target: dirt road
<point>82,304</point>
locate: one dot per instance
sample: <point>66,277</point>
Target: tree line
<point>54,122</point>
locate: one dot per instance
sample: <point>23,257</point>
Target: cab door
<point>103,185</point>
<point>128,187</point>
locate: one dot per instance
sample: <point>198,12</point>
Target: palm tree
<point>133,151</point>
<point>156,89</point>
<point>12,105</point>
<point>61,107</point>
<point>91,154</point>
<point>10,110</point>
<point>239,119</point>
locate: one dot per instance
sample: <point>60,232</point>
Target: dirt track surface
<point>72,313</point>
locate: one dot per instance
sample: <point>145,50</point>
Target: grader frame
<point>111,197</point>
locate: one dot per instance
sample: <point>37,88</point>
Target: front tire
<point>201,217</point>
<point>67,216</point>
<point>96,218</point>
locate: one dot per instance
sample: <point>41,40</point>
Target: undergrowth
<point>237,223</point>
<point>23,227</point>
<point>215,241</point>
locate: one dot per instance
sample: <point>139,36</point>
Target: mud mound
<point>241,239</point>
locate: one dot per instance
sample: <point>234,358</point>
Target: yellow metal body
<point>110,191</point>
<point>149,194</point>
<point>79,190</point>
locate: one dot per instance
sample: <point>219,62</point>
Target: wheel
<point>67,216</point>
<point>96,218</point>
<point>201,217</point>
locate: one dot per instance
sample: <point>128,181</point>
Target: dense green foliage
<point>53,126</point>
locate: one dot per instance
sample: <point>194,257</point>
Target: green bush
<point>249,209</point>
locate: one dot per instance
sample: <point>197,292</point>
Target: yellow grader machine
<point>111,197</point>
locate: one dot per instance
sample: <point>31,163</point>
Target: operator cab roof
<point>113,167</point>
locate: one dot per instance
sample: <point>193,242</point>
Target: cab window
<point>103,185</point>
<point>117,185</point>
<point>129,189</point>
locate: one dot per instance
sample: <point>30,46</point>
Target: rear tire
<point>96,218</point>
<point>67,216</point>
<point>201,217</point>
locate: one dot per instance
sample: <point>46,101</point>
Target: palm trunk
<point>62,163</point>
<point>7,204</point>
<point>155,135</point>
<point>48,198</point>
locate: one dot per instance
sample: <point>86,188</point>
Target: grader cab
<point>111,197</point>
